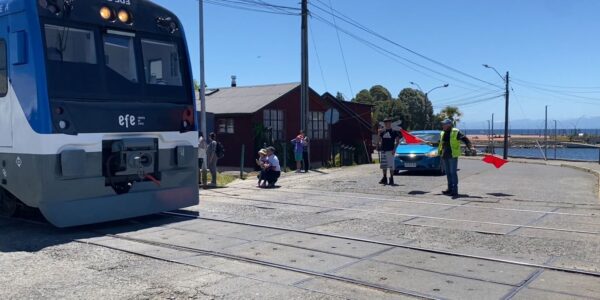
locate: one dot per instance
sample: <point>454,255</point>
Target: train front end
<point>119,136</point>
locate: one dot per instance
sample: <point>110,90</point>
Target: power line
<point>242,5</point>
<point>395,55</point>
<point>556,92</point>
<point>468,98</point>
<point>466,103</point>
<point>312,36</point>
<point>342,50</point>
<point>355,23</point>
<point>557,86</point>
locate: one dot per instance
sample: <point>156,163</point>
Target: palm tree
<point>452,113</point>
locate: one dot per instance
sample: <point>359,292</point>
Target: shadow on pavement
<point>466,196</point>
<point>418,193</point>
<point>421,173</point>
<point>32,233</point>
<point>503,195</point>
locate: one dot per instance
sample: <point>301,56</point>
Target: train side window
<point>3,69</point>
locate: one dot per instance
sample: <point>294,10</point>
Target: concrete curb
<point>564,164</point>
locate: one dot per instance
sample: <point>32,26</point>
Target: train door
<point>6,135</point>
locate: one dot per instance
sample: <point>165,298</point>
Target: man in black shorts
<point>388,140</point>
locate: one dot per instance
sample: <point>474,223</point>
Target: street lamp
<point>437,87</point>
<point>418,86</point>
<point>431,90</point>
<point>427,94</point>
<point>506,81</point>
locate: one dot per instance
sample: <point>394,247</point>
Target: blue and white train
<point>97,110</point>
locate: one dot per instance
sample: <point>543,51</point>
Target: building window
<point>226,126</point>
<point>317,128</point>
<point>273,121</point>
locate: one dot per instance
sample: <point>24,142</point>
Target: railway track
<point>231,257</point>
<point>396,245</point>
<point>188,215</point>
<point>414,216</point>
<point>266,264</point>
<point>298,191</point>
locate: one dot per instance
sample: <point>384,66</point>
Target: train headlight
<point>124,16</point>
<point>107,13</point>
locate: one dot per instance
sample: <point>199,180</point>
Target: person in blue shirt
<point>298,150</point>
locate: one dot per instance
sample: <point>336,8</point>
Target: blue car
<point>420,157</point>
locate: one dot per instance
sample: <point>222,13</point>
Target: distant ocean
<point>580,154</point>
<point>534,132</point>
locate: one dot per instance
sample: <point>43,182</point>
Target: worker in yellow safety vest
<point>449,151</point>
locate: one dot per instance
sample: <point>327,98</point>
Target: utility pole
<point>546,134</point>
<point>202,90</point>
<point>555,139</point>
<point>493,137</point>
<point>506,117</point>
<point>304,87</point>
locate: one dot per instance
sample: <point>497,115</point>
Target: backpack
<point>220,151</point>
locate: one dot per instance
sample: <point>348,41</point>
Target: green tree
<point>394,109</point>
<point>363,97</point>
<point>340,96</point>
<point>419,108</point>
<point>380,93</point>
<point>452,113</point>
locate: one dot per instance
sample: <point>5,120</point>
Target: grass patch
<point>222,179</point>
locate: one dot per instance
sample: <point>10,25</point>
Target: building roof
<point>244,99</point>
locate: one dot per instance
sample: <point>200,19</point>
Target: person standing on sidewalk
<point>212,158</point>
<point>305,155</point>
<point>201,154</point>
<point>388,140</point>
<point>299,150</point>
<point>449,150</point>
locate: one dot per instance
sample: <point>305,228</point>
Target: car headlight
<point>433,153</point>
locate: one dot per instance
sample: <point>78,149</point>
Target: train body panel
<point>125,148</point>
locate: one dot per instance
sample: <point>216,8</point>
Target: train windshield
<point>92,64</point>
<point>66,44</point>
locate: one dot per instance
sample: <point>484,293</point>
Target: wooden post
<point>242,161</point>
<point>284,150</point>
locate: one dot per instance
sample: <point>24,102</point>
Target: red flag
<point>494,160</point>
<point>411,139</point>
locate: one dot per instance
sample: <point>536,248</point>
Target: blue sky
<point>553,42</point>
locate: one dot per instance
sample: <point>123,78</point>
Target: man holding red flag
<point>388,140</point>
<point>449,150</point>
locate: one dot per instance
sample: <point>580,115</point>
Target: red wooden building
<point>244,114</point>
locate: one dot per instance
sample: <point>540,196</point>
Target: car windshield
<point>431,137</point>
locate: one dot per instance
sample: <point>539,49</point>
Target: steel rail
<point>417,216</point>
<point>231,257</point>
<point>348,195</point>
<point>266,264</point>
<point>409,247</point>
